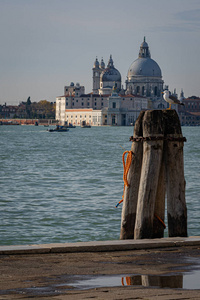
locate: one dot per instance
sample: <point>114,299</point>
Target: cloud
<point>174,28</point>
<point>189,15</point>
<point>184,21</point>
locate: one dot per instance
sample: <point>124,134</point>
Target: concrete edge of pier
<point>100,246</point>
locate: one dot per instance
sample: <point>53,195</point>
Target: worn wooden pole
<point>151,164</point>
<point>157,166</point>
<point>131,192</point>
<point>163,281</point>
<point>159,211</point>
<point>176,204</point>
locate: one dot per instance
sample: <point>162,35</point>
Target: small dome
<point>144,44</point>
<point>110,73</point>
<point>144,67</point>
<point>96,63</point>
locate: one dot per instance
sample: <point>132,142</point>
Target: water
<point>63,187</point>
<point>187,281</point>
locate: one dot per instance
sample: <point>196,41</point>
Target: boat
<point>84,125</point>
<point>69,125</point>
<point>9,123</point>
<point>58,129</point>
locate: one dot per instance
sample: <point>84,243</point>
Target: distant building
<point>123,110</point>
<point>105,78</point>
<point>89,115</point>
<point>100,110</point>
<point>116,105</point>
<point>145,78</point>
<point>8,111</point>
<point>190,113</point>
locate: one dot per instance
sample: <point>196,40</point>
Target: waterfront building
<point>123,110</point>
<point>116,105</point>
<point>8,111</point>
<point>108,110</point>
<point>190,113</point>
<point>89,115</point>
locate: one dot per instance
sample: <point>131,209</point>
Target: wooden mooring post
<point>157,169</point>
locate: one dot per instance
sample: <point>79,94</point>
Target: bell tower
<point>96,76</point>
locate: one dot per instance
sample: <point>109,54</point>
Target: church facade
<point>109,103</point>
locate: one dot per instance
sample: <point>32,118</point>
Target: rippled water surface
<point>63,187</point>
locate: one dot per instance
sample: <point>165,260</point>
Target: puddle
<point>33,291</point>
<point>190,280</point>
<point>179,280</point>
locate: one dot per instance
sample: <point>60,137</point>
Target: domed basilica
<point>144,78</point>
<point>144,75</point>
<point>105,78</point>
<point>109,103</point>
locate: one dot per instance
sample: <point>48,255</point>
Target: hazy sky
<point>46,44</point>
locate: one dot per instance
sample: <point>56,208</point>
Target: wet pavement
<point>165,273</point>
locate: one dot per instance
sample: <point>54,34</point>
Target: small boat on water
<point>84,125</point>
<point>58,129</point>
<point>69,125</point>
<point>9,123</point>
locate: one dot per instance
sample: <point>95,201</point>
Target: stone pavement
<point>166,268</point>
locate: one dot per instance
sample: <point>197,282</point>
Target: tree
<point>28,102</point>
<point>47,109</point>
<point>28,107</point>
<point>37,110</point>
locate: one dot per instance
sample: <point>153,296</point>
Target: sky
<point>47,44</point>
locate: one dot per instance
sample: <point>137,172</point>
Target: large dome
<point>144,67</point>
<point>110,73</point>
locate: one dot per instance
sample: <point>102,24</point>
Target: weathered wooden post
<point>176,205</point>
<point>157,165</point>
<point>151,164</point>
<point>159,211</point>
<point>131,192</point>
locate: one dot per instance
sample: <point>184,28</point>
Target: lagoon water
<point>63,187</point>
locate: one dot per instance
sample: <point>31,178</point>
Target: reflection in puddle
<point>170,281</point>
<point>83,282</point>
<point>185,281</point>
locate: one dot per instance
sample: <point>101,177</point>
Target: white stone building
<point>90,116</point>
<point>109,103</point>
<point>124,110</point>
